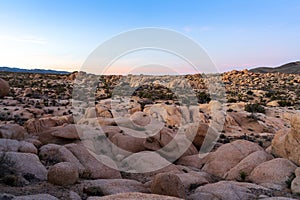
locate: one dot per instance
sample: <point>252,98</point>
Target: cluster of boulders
<point>135,148</point>
<point>140,155</point>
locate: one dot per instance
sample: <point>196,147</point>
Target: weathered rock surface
<point>4,88</point>
<point>246,165</point>
<point>12,131</point>
<point>27,163</point>
<point>222,190</point>
<point>64,173</point>
<point>94,168</point>
<point>286,143</point>
<point>53,153</point>
<point>228,156</point>
<point>177,184</point>
<point>36,197</point>
<point>17,146</point>
<point>114,186</point>
<point>134,196</point>
<point>273,173</point>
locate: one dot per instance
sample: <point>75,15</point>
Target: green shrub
<point>243,176</point>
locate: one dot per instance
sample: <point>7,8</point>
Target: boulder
<point>140,118</point>
<point>246,165</point>
<point>64,173</point>
<point>12,131</point>
<point>4,88</point>
<point>222,190</point>
<point>127,144</point>
<point>37,126</point>
<point>295,186</point>
<point>228,156</point>
<point>68,132</point>
<point>94,168</point>
<point>17,146</point>
<point>200,132</point>
<point>113,186</point>
<point>286,143</point>
<point>27,163</point>
<point>273,104</point>
<point>144,162</point>
<point>134,196</point>
<point>177,184</point>
<point>53,153</point>
<point>273,173</point>
<point>192,161</point>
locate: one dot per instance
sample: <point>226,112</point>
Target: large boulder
<point>64,173</point>
<point>37,126</point>
<point>94,167</point>
<point>228,156</point>
<point>177,184</point>
<point>67,132</point>
<point>17,146</point>
<point>222,190</point>
<point>27,163</point>
<point>286,143</point>
<point>295,186</point>
<point>53,153</point>
<point>127,144</point>
<point>4,88</point>
<point>273,173</point>
<point>12,131</point>
<point>170,144</point>
<point>199,133</point>
<point>169,114</point>
<point>247,165</point>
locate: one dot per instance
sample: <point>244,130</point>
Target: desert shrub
<point>243,176</point>
<point>250,92</point>
<point>290,180</point>
<point>231,100</point>
<point>11,180</point>
<point>284,103</point>
<point>255,108</point>
<point>203,97</point>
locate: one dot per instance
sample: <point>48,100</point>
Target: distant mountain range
<point>35,71</point>
<point>290,68</point>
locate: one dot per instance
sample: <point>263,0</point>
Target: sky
<point>235,34</point>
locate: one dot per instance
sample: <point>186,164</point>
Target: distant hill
<point>35,71</point>
<point>290,68</point>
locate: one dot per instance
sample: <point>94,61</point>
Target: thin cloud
<point>31,40</point>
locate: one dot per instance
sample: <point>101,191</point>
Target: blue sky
<point>61,34</point>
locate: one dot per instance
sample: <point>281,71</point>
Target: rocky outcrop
<point>4,88</point>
